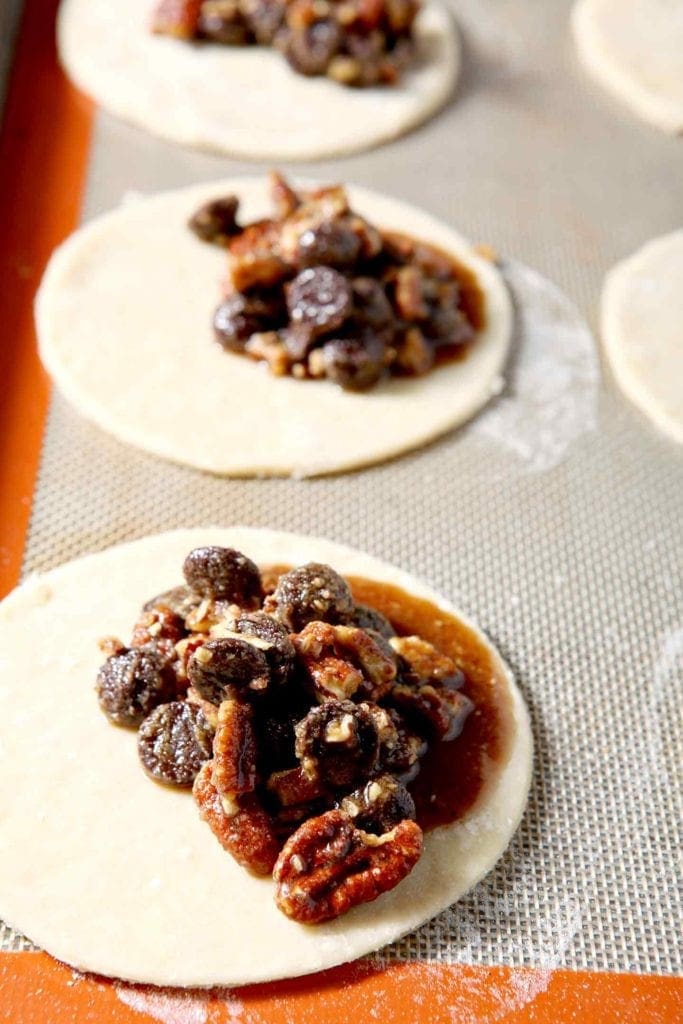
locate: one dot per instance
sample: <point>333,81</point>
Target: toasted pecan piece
<point>240,824</point>
<point>329,866</point>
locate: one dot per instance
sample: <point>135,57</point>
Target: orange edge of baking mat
<point>44,148</point>
<point>400,994</point>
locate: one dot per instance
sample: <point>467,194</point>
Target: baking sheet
<point>573,565</point>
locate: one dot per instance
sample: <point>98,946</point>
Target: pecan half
<point>240,824</point>
<point>234,749</point>
<point>328,866</point>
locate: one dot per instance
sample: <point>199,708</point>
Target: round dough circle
<point>116,875</point>
<point>245,101</point>
<point>642,318</point>
<point>633,48</point>
<point>124,318</point>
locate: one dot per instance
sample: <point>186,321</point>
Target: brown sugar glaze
<point>454,774</point>
<point>472,300</point>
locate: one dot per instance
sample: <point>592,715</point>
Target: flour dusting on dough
<point>551,396</point>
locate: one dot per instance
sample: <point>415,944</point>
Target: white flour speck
<point>551,396</point>
<point>169,1007</point>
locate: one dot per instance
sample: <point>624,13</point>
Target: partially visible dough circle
<point>633,48</point>
<point>642,330</point>
<point>116,875</point>
<point>245,101</point>
<point>124,323</point>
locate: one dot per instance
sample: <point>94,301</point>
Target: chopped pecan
<point>268,345</point>
<point>341,660</point>
<point>177,18</point>
<point>181,600</point>
<point>409,296</point>
<point>158,623</point>
<point>210,710</point>
<point>253,256</point>
<point>109,645</point>
<point>240,824</point>
<point>368,236</point>
<point>332,676</point>
<point>209,613</point>
<point>284,198</point>
<point>234,749</point>
<point>422,663</point>
<point>329,866</point>
<point>384,724</point>
<point>184,650</point>
<point>414,354</point>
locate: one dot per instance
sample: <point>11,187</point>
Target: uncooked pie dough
<point>124,319</point>
<point>642,330</point>
<point>114,874</point>
<point>245,101</point>
<point>634,48</point>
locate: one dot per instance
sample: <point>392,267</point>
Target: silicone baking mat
<point>554,520</point>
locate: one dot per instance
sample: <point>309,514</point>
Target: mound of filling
<point>298,717</point>
<point>354,42</point>
<point>318,292</point>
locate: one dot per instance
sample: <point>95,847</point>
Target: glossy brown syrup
<point>472,299</point>
<point>454,774</point>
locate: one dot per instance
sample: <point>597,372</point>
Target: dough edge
<point>456,857</point>
<point>183,129</point>
<point>615,292</point>
<point>610,73</point>
<point>447,397</point>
